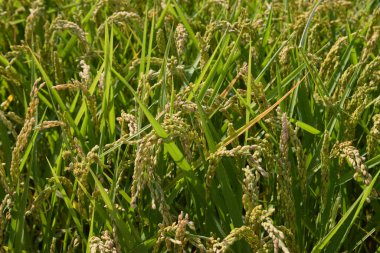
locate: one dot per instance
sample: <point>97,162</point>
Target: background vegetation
<point>196,126</point>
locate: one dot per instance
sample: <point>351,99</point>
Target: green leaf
<point>304,33</point>
<point>306,127</point>
<point>333,240</point>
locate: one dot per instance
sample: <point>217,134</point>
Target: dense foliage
<point>189,126</point>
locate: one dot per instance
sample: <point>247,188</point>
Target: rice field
<point>189,126</point>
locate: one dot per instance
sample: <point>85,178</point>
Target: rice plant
<point>189,126</point>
